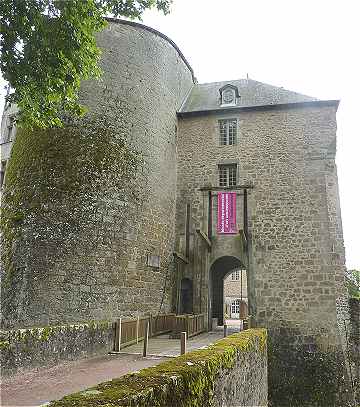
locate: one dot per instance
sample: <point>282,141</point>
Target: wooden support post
<point>137,329</point>
<point>187,231</point>
<point>246,226</point>
<point>146,339</point>
<point>225,330</point>
<point>150,325</point>
<point>241,294</point>
<point>183,343</point>
<point>117,346</point>
<point>210,217</point>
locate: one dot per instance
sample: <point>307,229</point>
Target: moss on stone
<point>45,333</point>
<point>55,180</point>
<point>61,163</point>
<point>300,376</point>
<point>187,380</point>
<point>4,345</point>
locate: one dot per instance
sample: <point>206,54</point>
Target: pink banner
<point>226,222</point>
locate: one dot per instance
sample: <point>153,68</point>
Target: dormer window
<point>229,95</point>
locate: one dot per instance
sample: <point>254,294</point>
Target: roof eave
<point>279,106</point>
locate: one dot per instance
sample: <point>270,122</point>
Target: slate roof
<point>206,96</point>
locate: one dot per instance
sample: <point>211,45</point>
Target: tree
<point>353,283</point>
<point>48,46</point>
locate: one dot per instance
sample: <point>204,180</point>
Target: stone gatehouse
<point>117,214</point>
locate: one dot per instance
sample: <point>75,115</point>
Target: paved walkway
<point>36,387</point>
<point>163,346</point>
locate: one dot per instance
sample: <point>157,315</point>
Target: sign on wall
<point>226,221</point>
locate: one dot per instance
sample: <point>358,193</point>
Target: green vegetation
<point>54,179</point>
<point>48,46</point>
<point>303,376</point>
<point>187,380</point>
<point>353,283</point>
<point>4,345</point>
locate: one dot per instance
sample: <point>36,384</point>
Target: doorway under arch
<point>218,271</point>
<point>186,296</point>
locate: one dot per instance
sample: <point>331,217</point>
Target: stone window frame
<point>228,134</point>
<point>10,129</point>
<point>224,91</point>
<point>235,305</point>
<point>3,164</point>
<point>227,172</point>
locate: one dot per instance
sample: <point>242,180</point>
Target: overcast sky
<point>308,46</point>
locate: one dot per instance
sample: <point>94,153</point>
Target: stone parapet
<point>23,349</point>
<point>231,372</point>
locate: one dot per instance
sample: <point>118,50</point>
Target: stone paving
<point>163,346</point>
<point>38,386</point>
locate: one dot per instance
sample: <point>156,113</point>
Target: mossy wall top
<point>86,204</point>
<point>231,372</point>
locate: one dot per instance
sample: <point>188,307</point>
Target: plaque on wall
<point>153,260</point>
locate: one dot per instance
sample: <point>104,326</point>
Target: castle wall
<point>296,252</point>
<point>94,199</point>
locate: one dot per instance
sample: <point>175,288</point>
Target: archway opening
<point>224,268</point>
<point>235,296</point>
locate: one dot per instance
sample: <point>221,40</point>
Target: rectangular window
<point>227,175</point>
<point>228,132</point>
<point>10,129</point>
<point>2,173</point>
<point>235,275</point>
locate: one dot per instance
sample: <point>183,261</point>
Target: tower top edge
<point>158,33</point>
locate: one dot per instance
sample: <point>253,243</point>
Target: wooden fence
<point>133,330</point>
<point>191,324</point>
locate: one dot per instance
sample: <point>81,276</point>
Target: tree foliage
<point>48,46</point>
<point>353,283</point>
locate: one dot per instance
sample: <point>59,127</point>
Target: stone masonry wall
<point>354,344</point>
<point>24,349</point>
<point>232,288</point>
<point>296,251</point>
<point>85,206</point>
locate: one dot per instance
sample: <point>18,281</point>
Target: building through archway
<point>235,295</point>
<point>221,267</point>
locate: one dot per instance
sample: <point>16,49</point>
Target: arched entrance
<point>218,270</point>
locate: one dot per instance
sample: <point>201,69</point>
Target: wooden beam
<point>210,217</point>
<point>243,236</point>
<point>232,188</point>
<point>246,226</point>
<point>204,237</point>
<point>187,230</point>
<point>181,257</point>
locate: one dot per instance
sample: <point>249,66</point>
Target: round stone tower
<point>88,210</point>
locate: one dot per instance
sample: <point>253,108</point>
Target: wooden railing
<point>191,324</point>
<point>161,324</point>
<point>133,330</point>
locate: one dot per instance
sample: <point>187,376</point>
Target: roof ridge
<point>260,82</point>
